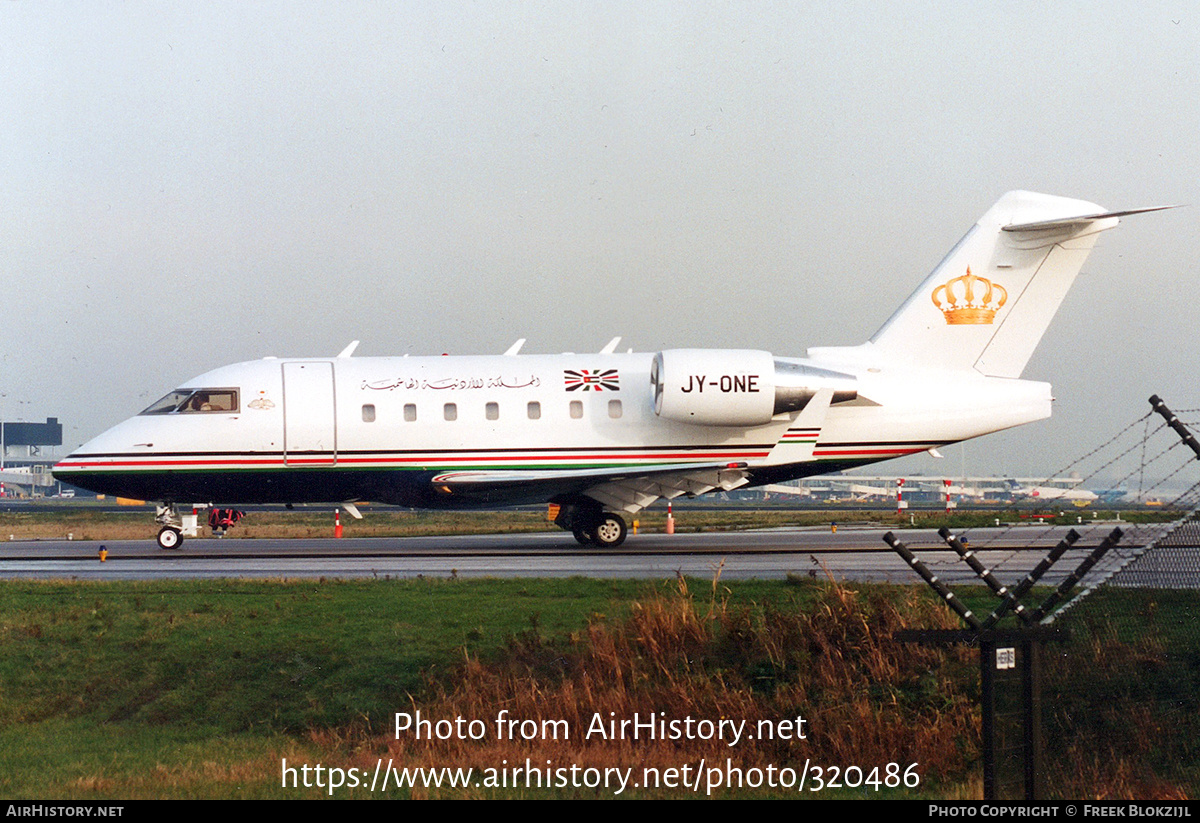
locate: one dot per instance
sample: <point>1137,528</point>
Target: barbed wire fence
<point>1122,692</point>
<point>1120,673</point>
<point>1138,476</point>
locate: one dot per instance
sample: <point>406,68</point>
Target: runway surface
<point>851,553</point>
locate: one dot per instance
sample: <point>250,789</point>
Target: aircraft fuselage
<point>382,428</point>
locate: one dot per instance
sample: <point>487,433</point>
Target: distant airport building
<point>24,470</point>
<point>844,488</point>
<point>30,436</point>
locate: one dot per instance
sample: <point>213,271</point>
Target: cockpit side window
<point>196,401</point>
<point>168,403</point>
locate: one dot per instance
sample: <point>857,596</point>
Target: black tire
<point>610,532</point>
<point>583,536</point>
<point>169,538</point>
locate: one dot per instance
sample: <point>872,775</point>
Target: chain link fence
<point>1121,694</point>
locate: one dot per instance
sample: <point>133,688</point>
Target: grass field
<point>127,690</point>
<point>204,689</point>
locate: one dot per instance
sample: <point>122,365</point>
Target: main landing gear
<point>592,526</point>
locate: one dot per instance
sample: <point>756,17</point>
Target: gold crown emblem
<point>969,300</point>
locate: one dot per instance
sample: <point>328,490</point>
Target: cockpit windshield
<point>195,401</point>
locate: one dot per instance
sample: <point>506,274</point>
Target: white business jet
<point>607,434</point>
<point>1080,497</point>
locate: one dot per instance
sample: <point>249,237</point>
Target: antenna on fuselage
<point>515,347</point>
<point>349,350</point>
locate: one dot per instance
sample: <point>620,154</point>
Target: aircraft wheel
<point>583,536</point>
<point>610,532</point>
<point>169,538</point>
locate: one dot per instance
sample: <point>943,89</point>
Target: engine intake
<point>736,387</point>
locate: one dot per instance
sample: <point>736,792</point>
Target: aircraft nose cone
<point>89,466</point>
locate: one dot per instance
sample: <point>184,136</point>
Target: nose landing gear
<point>169,537</point>
<point>175,526</point>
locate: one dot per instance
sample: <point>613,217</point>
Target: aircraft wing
<point>629,489</point>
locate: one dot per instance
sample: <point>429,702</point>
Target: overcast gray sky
<point>187,185</point>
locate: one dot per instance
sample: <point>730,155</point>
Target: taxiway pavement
<point>851,553</point>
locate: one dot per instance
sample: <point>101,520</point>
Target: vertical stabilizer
<point>988,303</point>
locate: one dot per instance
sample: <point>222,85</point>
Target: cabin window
<point>450,411</point>
<point>614,408</point>
<point>535,410</point>
<point>576,409</point>
<point>410,412</point>
<point>492,411</point>
<point>368,412</point>
<point>193,401</point>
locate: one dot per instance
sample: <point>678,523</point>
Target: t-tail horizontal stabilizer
<point>1063,222</point>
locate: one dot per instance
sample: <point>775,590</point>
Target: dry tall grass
<point>1120,714</point>
<point>867,701</point>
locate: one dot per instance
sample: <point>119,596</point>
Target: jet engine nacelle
<point>735,387</point>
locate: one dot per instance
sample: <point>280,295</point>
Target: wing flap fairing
<point>628,489</point>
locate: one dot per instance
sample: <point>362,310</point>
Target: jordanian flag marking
<point>591,380</point>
